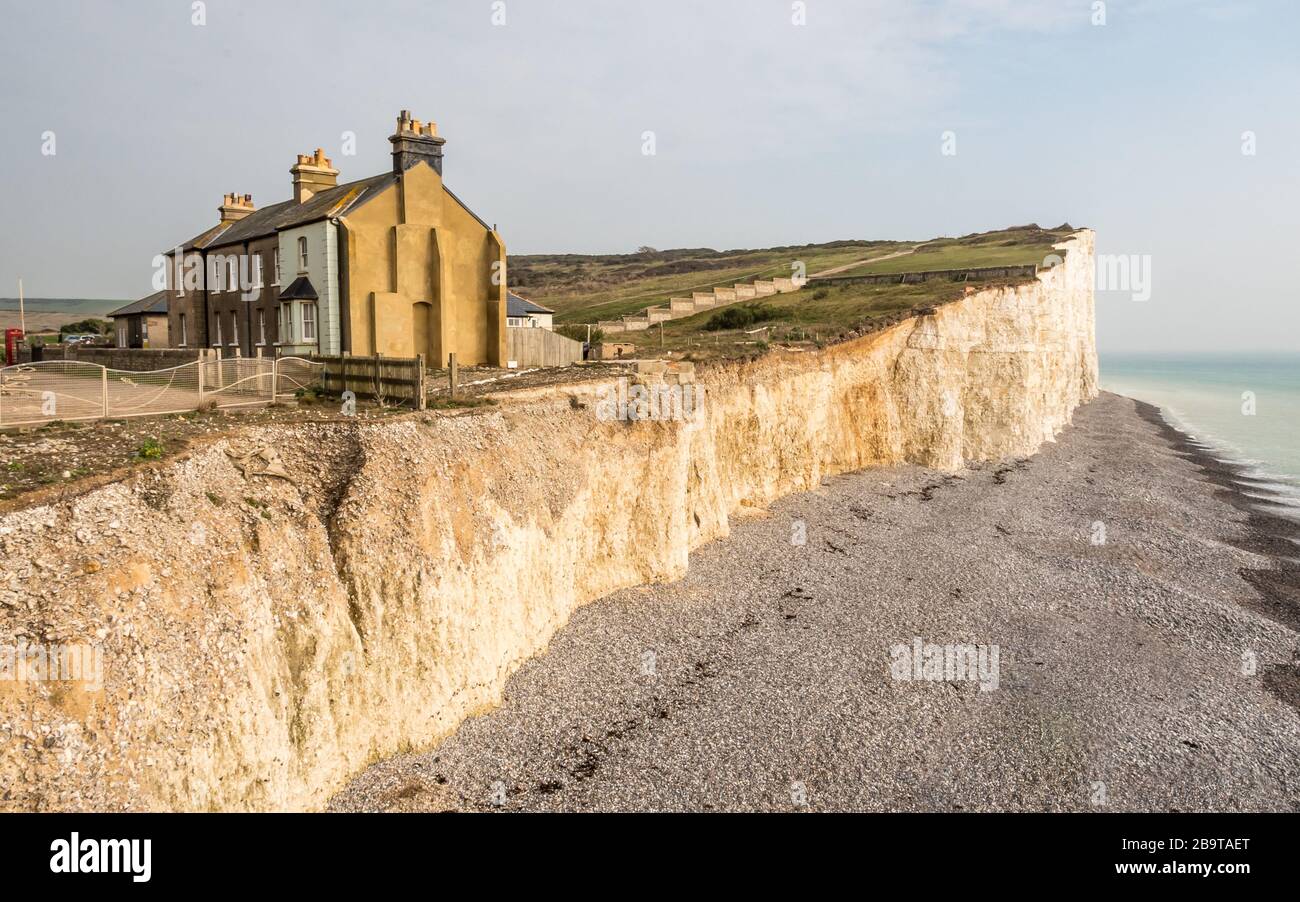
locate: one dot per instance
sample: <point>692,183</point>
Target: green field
<point>1010,247</point>
<point>816,315</point>
<point>76,308</point>
<point>586,289</point>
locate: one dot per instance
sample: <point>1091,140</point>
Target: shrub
<point>152,449</point>
<point>740,316</point>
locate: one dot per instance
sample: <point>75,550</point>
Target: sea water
<point>1245,407</point>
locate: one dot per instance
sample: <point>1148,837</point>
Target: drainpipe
<point>345,317</point>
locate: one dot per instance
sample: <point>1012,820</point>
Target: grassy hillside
<point>585,289</point>
<point>809,317</point>
<point>76,308</point>
<point>1009,247</point>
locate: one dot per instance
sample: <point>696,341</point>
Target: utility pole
<point>22,313</point>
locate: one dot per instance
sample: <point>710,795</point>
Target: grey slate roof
<point>202,238</point>
<point>287,214</point>
<point>300,289</point>
<point>517,306</point>
<point>154,303</point>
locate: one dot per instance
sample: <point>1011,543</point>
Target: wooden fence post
<point>421,402</point>
<point>103,376</point>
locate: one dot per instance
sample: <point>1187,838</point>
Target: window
<point>121,333</point>
<point>261,327</point>
<point>144,328</point>
<point>233,264</point>
<point>286,324</point>
<point>234,329</point>
<point>257,271</point>
<point>184,336</point>
<point>217,271</point>
<point>275,263</point>
<point>217,343</point>
<point>308,322</point>
<point>302,253</point>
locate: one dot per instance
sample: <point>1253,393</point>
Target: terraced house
<point>394,264</point>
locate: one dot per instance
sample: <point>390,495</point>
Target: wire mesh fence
<point>75,390</point>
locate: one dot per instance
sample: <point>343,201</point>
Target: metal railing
<point>75,390</point>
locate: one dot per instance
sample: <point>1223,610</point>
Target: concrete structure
<point>142,323</point>
<point>677,308</point>
<point>612,350</point>
<point>394,264</point>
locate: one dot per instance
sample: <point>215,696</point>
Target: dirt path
<point>835,269</point>
<point>1114,576</point>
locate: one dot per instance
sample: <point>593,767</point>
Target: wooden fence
<point>389,379</point>
<point>540,347</point>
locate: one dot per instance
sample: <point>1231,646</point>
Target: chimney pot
<point>416,141</point>
<point>312,174</point>
<point>235,206</point>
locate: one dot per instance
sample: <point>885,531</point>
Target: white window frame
<point>275,262</point>
<point>234,328</point>
<point>308,321</point>
<point>302,253</point>
<point>184,334</point>
<point>217,343</point>
<point>286,323</point>
<point>261,327</point>
<point>233,264</point>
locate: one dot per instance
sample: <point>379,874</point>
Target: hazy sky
<point>766,132</point>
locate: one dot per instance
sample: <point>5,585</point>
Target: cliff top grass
<point>586,289</point>
<point>1018,246</point>
<point>816,316</point>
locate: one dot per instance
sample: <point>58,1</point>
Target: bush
<point>81,327</point>
<point>579,333</point>
<point>820,293</point>
<point>741,316</point>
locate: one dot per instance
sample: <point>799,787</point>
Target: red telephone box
<point>12,337</point>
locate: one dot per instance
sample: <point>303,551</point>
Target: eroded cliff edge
<point>263,640</point>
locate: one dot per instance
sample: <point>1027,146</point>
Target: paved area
<point>1139,666</point>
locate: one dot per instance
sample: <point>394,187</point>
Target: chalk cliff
<point>256,655</point>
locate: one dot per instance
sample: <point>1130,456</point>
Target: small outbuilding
<point>526,314</point>
<point>142,323</point>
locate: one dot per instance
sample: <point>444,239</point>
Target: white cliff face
<point>256,658</point>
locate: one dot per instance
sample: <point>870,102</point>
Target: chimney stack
<point>235,206</point>
<point>311,175</point>
<point>415,141</point>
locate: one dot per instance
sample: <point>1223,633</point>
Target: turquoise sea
<point>1209,396</point>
